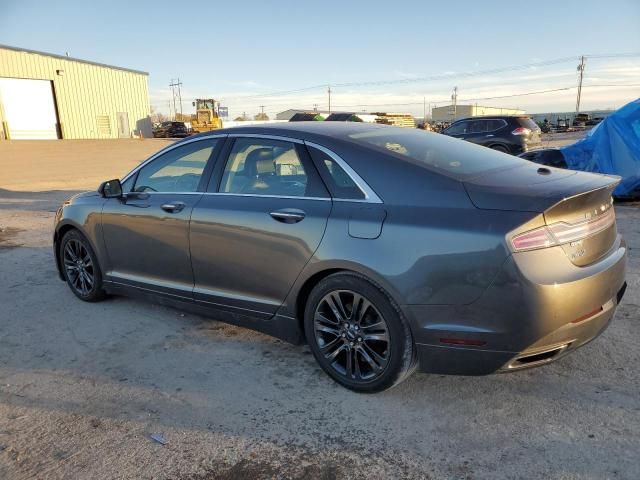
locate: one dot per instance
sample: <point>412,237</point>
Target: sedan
<point>385,249</point>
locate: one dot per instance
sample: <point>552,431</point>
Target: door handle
<point>288,215</point>
<point>490,135</point>
<point>173,207</point>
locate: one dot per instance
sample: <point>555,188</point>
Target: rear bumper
<point>540,308</point>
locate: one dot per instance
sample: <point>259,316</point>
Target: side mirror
<point>111,189</point>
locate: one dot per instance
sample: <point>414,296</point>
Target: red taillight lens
<point>561,233</point>
<point>538,238</point>
<point>521,131</point>
<point>564,232</point>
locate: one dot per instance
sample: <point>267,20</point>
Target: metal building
<point>451,112</point>
<point>46,96</point>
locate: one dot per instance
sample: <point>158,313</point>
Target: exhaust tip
<point>537,358</point>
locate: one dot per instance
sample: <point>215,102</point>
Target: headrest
<point>259,161</point>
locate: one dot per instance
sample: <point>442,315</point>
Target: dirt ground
<point>83,387</point>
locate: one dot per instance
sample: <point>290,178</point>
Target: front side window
<point>178,170</point>
<point>266,167</point>
<point>458,128</point>
<point>340,184</point>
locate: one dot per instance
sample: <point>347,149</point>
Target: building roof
<point>72,59</point>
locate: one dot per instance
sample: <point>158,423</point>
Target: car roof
<point>303,130</point>
<point>491,117</point>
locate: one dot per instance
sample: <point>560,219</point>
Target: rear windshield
<point>526,122</point>
<point>456,157</point>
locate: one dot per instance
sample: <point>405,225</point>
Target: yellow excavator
<point>206,117</point>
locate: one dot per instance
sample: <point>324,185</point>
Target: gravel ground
<point>84,386</point>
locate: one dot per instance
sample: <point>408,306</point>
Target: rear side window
<point>340,184</point>
<point>493,125</point>
<point>435,151</point>
<point>268,167</point>
<point>526,122</point>
<point>478,126</point>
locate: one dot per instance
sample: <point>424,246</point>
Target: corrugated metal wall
<point>86,93</point>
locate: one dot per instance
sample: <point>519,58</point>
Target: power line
<point>524,94</point>
<point>445,76</point>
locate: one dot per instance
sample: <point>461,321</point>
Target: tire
<point>499,148</point>
<point>377,329</point>
<point>81,268</point>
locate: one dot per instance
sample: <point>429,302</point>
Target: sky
<point>284,54</point>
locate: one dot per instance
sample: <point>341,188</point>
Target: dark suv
<point>171,130</point>
<point>506,134</point>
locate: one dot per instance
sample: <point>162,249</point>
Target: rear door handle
<point>174,207</point>
<point>288,215</point>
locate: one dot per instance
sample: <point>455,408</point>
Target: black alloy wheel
<point>352,335</point>
<point>358,334</point>
<point>80,266</point>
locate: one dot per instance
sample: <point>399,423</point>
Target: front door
<point>123,125</point>
<point>263,219</point>
<point>147,233</point>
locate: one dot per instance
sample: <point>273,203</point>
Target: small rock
<point>158,437</point>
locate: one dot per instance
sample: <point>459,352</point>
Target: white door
<point>29,110</point>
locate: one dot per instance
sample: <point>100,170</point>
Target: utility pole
<point>176,83</point>
<point>454,99</point>
<point>581,70</point>
<point>424,110</point>
<point>329,92</point>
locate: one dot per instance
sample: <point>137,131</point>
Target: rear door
<point>258,225</point>
<point>147,233</point>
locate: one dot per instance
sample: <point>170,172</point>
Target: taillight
<point>521,131</point>
<point>561,233</point>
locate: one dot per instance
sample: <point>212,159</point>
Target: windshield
<point>439,152</point>
<point>204,104</point>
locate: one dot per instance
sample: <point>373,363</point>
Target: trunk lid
<point>569,200</point>
<point>528,187</point>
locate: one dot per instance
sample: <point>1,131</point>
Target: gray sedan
<point>382,248</point>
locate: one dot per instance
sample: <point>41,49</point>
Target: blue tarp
<point>612,146</point>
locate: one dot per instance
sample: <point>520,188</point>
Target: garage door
<point>29,111</point>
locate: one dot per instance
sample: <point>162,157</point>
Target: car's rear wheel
<point>357,334</point>
<point>80,266</point>
<point>499,148</point>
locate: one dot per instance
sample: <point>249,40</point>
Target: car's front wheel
<point>80,265</point>
<point>357,333</point>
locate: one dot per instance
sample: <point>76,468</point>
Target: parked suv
<point>506,134</point>
<point>171,130</point>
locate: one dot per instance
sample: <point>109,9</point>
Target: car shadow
<point>129,360</point>
<point>47,201</point>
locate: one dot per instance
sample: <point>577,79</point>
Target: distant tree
<point>157,117</point>
<point>261,116</point>
<point>242,118</point>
